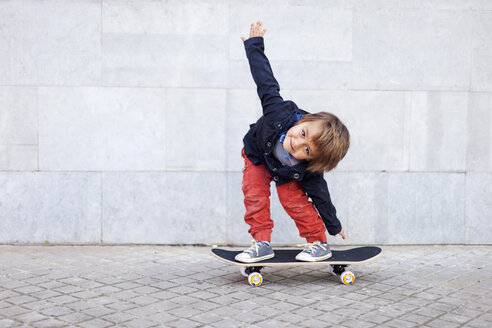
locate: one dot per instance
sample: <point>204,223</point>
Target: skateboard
<point>338,262</point>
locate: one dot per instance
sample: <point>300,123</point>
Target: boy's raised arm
<point>267,86</point>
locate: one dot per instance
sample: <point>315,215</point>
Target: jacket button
<point>296,175</point>
<point>279,126</point>
<point>269,144</point>
<point>275,178</point>
<point>274,169</point>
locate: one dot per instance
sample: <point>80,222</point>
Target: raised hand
<point>255,30</point>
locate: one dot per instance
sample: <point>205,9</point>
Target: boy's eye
<point>307,150</point>
<point>303,133</point>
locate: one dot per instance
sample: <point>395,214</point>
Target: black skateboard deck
<point>339,260</point>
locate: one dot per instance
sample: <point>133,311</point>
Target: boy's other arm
<point>267,86</point>
<point>317,189</point>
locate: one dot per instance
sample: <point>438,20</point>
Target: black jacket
<point>278,116</point>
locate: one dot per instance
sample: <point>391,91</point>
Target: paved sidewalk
<point>163,286</point>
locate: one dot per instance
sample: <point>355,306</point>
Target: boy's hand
<point>256,30</point>
<point>342,234</point>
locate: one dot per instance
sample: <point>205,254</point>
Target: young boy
<point>293,148</point>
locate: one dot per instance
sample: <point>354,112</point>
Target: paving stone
<point>313,323</point>
<point>467,312</point>
<point>227,323</point>
<point>291,318</point>
<point>295,301</point>
<point>377,301</point>
<point>162,317</point>
<point>374,317</point>
<point>184,323</point>
<point>44,294</point>
<point>455,318</point>
<point>144,300</point>
<point>398,323</point>
<point>74,318</point>
<point>31,317</point>
<point>12,311</point>
<point>441,323</point>
<point>14,284</point>
<point>224,300</point>
<point>350,311</point>
<point>185,300</point>
<point>184,312</point>
<point>63,299</point>
<point>182,290</point>
<point>38,305</point>
<point>207,318</point>
<point>56,311</point>
<point>51,285</point>
<point>425,311</point>
<point>98,311</point>
<point>140,323</point>
<point>7,323</point>
<point>487,316</point>
<point>247,316</point>
<point>439,306</point>
<point>332,317</point>
<point>102,300</point>
<point>95,323</point>
<point>20,299</point>
<point>203,295</point>
<point>415,318</point>
<point>273,323</point>
<point>204,306</point>
<point>107,290</point>
<point>120,306</point>
<point>478,323</point>
<point>28,289</point>
<point>4,294</point>
<point>81,305</point>
<point>126,285</point>
<point>118,317</point>
<point>165,305</point>
<point>164,295</point>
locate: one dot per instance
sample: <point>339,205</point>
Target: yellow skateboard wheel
<point>255,279</point>
<point>347,277</point>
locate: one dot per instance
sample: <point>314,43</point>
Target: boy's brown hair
<point>332,144</point>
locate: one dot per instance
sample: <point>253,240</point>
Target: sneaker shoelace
<point>311,248</point>
<point>253,247</point>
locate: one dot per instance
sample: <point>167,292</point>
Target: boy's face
<point>298,141</point>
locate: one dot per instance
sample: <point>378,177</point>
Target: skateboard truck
<point>253,274</point>
<point>347,277</point>
<point>249,270</point>
<point>337,269</point>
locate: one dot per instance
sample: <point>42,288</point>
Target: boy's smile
<point>298,140</point>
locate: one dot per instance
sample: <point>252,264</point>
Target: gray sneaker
<point>259,251</point>
<point>316,251</point>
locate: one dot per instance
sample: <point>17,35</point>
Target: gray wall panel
<point>50,42</point>
<point>478,225</point>
<point>53,207</point>
<point>164,208</point>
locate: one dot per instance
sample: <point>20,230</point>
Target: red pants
<point>256,189</point>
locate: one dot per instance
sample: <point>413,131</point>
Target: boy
<point>293,148</point>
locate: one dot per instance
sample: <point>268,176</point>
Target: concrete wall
<point>122,121</point>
